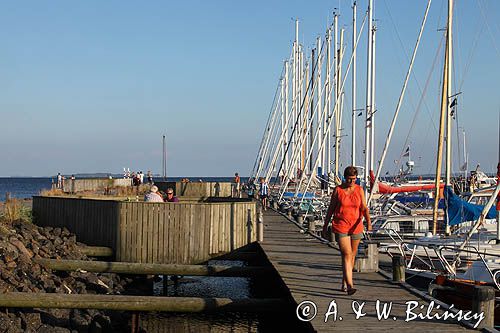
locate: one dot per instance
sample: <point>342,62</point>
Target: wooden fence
<point>146,232</point>
<point>203,189</point>
<point>89,184</point>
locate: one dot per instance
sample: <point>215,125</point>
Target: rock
<point>30,321</point>
<point>11,265</point>
<point>20,246</point>
<point>50,329</point>
<point>79,320</point>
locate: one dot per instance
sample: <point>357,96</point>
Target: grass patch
<point>14,210</point>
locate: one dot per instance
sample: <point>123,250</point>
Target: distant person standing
<point>236,185</point>
<point>141,177</point>
<point>150,177</point>
<point>263,192</point>
<point>153,195</point>
<point>170,196</point>
<point>136,179</point>
<point>59,180</point>
<point>72,184</point>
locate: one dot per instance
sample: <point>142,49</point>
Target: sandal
<point>351,291</point>
<point>343,287</point>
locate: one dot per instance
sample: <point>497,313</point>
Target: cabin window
<point>393,226</point>
<point>423,225</point>
<point>406,226</point>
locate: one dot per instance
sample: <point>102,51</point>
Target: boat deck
<point>312,272</point>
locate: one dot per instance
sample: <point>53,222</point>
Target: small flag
<point>453,103</point>
<point>386,173</point>
<point>359,114</point>
<point>407,152</point>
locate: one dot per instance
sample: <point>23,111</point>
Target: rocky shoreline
<point>20,243</point>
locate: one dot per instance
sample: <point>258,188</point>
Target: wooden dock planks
<point>312,272</point>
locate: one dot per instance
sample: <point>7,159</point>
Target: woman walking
<point>348,207</point>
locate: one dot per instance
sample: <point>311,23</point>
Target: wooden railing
<point>145,232</point>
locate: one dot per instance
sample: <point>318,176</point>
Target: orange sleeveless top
<point>347,218</point>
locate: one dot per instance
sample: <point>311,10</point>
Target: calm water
<point>23,187</point>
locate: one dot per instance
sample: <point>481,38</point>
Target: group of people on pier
<point>251,188</point>
<point>154,195</point>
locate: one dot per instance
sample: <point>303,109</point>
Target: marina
<point>369,199</point>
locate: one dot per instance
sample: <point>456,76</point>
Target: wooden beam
<point>96,251</point>
<point>138,303</point>
<point>150,269</point>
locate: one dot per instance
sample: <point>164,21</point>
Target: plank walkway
<point>312,272</point>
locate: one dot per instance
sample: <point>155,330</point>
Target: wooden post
<point>274,204</point>
<point>483,300</point>
<point>138,303</point>
<point>165,285</point>
<point>249,226</point>
<point>134,322</point>
<point>231,228</point>
<point>300,219</point>
<point>398,268</point>
<point>96,251</point>
<point>260,226</point>
<point>150,269</point>
<point>7,196</point>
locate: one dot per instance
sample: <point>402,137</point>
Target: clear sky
<point>91,86</point>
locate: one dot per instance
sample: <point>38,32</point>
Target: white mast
<point>340,94</point>
<point>353,130</point>
<point>336,95</point>
<point>373,109</point>
<point>449,50</point>
<point>283,113</point>
<point>328,91</point>
<point>319,102</point>
<point>368,110</point>
<point>287,111</point>
<point>311,108</point>
<point>445,109</point>
<point>466,158</point>
<point>164,164</point>
<point>295,84</point>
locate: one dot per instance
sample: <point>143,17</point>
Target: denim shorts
<point>339,235</point>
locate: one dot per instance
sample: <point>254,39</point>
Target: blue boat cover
<point>459,211</point>
<point>307,195</point>
<point>418,198</point>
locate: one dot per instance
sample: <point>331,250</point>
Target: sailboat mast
<point>448,92</point>
<point>311,107</point>
<point>164,161</point>
<point>340,95</point>
<point>319,102</point>
<point>286,115</point>
<point>466,162</point>
<point>353,125</point>
<point>328,90</point>
<point>444,112</point>
<point>368,94</point>
<point>373,110</point>
<point>336,75</point>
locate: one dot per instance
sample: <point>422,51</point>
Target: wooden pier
<point>148,232</point>
<point>312,272</point>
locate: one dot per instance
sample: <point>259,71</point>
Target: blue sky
<point>92,86</point>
